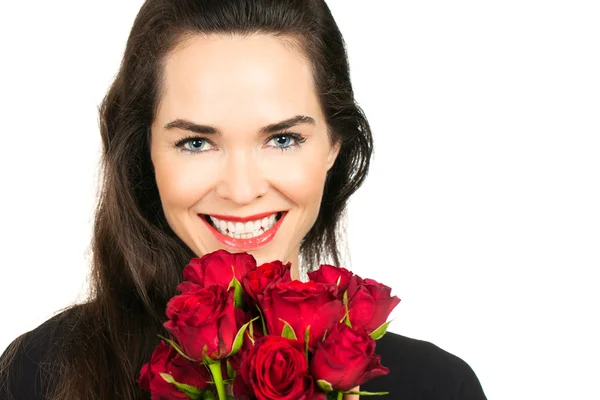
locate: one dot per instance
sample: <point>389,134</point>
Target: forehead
<point>221,78</point>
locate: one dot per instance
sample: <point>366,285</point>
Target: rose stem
<point>215,370</point>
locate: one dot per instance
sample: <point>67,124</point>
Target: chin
<point>265,257</point>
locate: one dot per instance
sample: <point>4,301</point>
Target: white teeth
<point>239,227</point>
<point>242,230</point>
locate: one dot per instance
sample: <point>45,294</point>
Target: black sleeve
<point>25,366</point>
<point>470,388</point>
<point>421,370</point>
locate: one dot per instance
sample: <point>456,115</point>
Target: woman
<point>231,124</point>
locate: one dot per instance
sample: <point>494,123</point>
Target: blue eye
<point>281,141</point>
<point>193,144</point>
<point>285,141</point>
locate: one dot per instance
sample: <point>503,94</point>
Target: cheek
<point>180,185</point>
<point>302,181</point>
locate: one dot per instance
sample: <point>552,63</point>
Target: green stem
<point>340,396</point>
<point>215,370</point>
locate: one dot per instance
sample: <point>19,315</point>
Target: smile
<point>244,233</point>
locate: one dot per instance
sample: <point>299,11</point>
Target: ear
<point>333,153</point>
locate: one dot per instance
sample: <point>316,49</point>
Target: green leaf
<point>238,294</point>
<point>251,333</point>
<point>324,385</point>
<point>379,332</point>
<point>262,319</point>
<point>230,370</point>
<point>239,338</point>
<point>191,391</point>
<point>209,395</point>
<point>177,348</point>
<point>346,318</point>
<point>368,393</point>
<point>207,360</point>
<point>306,340</point>
<point>287,331</point>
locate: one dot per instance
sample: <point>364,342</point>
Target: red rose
<point>301,304</point>
<point>166,360</point>
<point>370,303</point>
<point>332,275</point>
<point>257,280</point>
<point>203,319</point>
<point>274,368</point>
<point>216,268</point>
<point>346,358</point>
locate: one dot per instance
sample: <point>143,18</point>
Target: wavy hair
<point>137,258</point>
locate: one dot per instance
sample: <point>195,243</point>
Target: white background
<point>482,208</point>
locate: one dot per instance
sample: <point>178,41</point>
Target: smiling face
<point>240,146</point>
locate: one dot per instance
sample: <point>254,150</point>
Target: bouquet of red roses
<point>245,332</point>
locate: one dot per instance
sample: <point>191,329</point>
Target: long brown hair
<point>137,258</point>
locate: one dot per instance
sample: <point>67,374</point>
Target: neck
<point>295,260</point>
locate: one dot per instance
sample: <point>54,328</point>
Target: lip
<point>245,244</point>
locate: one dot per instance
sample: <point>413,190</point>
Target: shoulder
<point>421,370</point>
<point>26,365</point>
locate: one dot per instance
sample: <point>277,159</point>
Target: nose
<point>242,180</point>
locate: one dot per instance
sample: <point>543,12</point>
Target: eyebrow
<point>186,125</point>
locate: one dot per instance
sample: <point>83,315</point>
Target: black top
<point>418,369</point>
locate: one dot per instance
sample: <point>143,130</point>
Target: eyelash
<point>296,137</point>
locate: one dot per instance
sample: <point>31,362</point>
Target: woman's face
<point>240,146</point>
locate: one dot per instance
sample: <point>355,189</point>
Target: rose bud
<point>216,268</point>
<point>166,360</point>
<point>346,358</point>
<point>370,303</point>
<point>332,275</point>
<point>274,368</point>
<point>203,319</point>
<point>257,280</point>
<point>301,304</point>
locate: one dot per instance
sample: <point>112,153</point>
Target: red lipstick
<point>244,244</point>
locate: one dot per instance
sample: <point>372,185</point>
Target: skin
<point>239,85</point>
